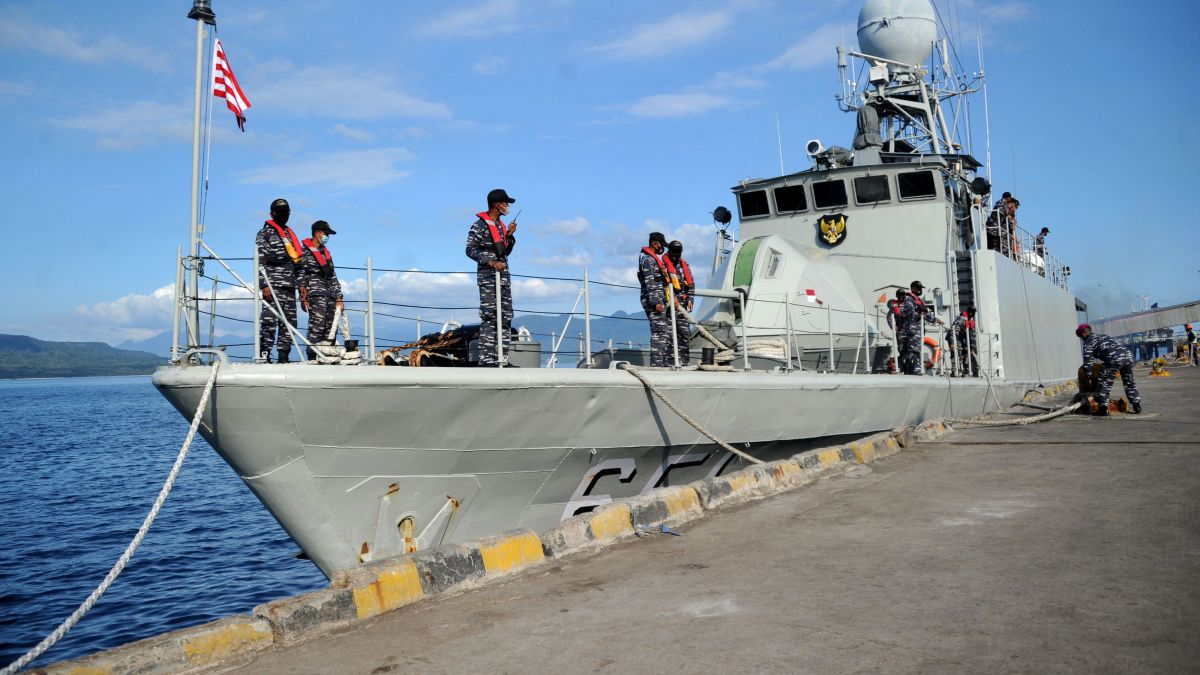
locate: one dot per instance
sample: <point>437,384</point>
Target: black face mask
<point>916,292</point>
<point>281,217</point>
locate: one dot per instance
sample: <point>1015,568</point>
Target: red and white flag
<point>225,86</point>
<point>811,296</point>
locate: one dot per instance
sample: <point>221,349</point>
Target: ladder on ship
<point>964,272</point>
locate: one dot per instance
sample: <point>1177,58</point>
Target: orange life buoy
<point>937,352</point>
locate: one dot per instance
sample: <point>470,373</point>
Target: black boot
<point>1137,408</point>
<point>265,357</point>
<point>283,357</point>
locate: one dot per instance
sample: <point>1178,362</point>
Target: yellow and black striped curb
<point>354,595</point>
<point>385,585</point>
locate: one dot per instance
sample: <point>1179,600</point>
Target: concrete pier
<point>1067,546</point>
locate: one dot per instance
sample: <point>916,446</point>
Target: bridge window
<point>871,190</point>
<point>790,199</point>
<point>916,185</point>
<point>829,194</point>
<point>754,204</point>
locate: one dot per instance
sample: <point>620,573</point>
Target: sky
<point>605,120</point>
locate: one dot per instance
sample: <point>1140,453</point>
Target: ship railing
<point>231,304</point>
<point>1023,247</point>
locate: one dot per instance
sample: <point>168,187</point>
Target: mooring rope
<point>87,605</point>
<point>683,416</point>
<point>1020,422</point>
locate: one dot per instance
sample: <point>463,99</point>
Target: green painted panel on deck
<point>743,269</point>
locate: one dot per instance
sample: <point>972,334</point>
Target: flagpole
<point>203,15</point>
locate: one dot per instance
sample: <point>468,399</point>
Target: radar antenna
<point>899,106</point>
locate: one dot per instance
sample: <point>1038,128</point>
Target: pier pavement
<point>1067,546</point>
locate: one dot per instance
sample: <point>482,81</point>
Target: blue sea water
<point>81,462</point>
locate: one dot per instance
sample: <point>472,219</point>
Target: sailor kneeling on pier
<point>1116,359</point>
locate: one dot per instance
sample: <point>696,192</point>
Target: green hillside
<point>23,356</point>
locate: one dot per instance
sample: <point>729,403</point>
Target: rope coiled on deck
<point>92,599</point>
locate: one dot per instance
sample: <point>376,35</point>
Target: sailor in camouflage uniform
<point>279,251</point>
<point>1116,359</point>
<point>908,328</point>
<point>687,286</point>
<point>489,244</point>
<point>652,275</point>
<point>320,292</point>
<point>964,341</point>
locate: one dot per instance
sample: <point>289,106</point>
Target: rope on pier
<point>683,416</point>
<point>1018,422</point>
<point>137,540</point>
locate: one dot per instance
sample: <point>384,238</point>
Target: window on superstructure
<point>829,194</point>
<point>774,263</point>
<point>790,199</point>
<point>916,185</point>
<point>754,204</point>
<point>872,190</point>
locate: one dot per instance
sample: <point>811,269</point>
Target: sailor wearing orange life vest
<point>684,286</point>
<point>320,292</point>
<point>489,243</point>
<point>963,342</point>
<point>655,282</point>
<point>279,251</point>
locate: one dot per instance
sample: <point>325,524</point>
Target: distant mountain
<point>620,327</point>
<point>23,356</point>
<point>161,344</point>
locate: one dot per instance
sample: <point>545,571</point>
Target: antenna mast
<point>202,14</point>
<point>987,124</point>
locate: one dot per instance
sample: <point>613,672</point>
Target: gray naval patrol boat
<point>362,462</point>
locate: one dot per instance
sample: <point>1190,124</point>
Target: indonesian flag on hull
<point>811,296</point>
<point>226,86</point>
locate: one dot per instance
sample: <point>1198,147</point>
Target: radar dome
<point>899,30</point>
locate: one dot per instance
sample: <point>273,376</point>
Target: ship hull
<point>359,463</point>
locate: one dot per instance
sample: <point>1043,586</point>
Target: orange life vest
<point>290,243</point>
<point>324,261</point>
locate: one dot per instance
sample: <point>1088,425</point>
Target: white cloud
<point>570,227</point>
<point>455,290</point>
<point>489,18</point>
<point>696,99</point>
<point>349,170</point>
<point>675,33</point>
<point>339,92</point>
<point>815,49</point>
<point>20,33</point>
<point>353,134</point>
<point>623,274</point>
<point>138,316</point>
<point>135,124</point>
<point>489,66</point>
<point>574,259</point>
<point>681,104</point>
<point>8,89</point>
<point>1005,11</point>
